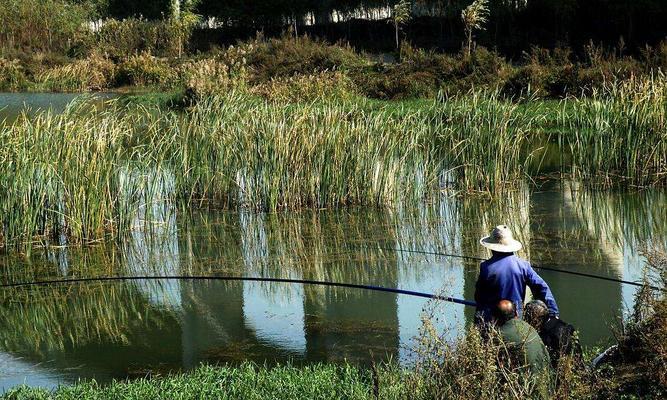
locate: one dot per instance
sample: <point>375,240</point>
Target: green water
<point>58,334</point>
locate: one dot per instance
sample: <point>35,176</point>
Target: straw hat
<point>501,240</point>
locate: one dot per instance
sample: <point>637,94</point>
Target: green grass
<point>247,381</point>
<point>620,133</point>
<point>87,171</point>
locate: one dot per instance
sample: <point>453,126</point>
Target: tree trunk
<point>396,29</point>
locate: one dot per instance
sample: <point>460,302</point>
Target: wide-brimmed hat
<point>501,240</point>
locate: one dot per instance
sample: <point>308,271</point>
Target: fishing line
<point>562,271</point>
<point>242,278</point>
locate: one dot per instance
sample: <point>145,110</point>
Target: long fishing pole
<point>241,278</point>
<point>604,278</point>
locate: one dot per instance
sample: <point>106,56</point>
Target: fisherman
<point>559,336</point>
<point>521,341</point>
<point>505,276</point>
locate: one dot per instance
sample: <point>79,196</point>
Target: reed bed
<point>620,133</point>
<point>87,172</point>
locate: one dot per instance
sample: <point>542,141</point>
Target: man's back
<point>505,276</point>
<point>525,345</point>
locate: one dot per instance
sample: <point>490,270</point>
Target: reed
<point>62,174</point>
<point>620,133</point>
<point>87,172</point>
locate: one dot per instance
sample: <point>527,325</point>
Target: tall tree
<point>474,16</point>
<point>400,15</point>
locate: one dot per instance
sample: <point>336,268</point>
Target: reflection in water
<point>115,330</point>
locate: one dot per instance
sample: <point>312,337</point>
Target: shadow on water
<point>116,330</point>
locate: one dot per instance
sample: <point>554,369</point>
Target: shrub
<point>394,82</point>
<point>307,87</point>
<point>209,76</point>
<point>145,70</point>
<point>42,25</point>
<point>642,346</point>
<point>288,56</point>
<point>93,73</point>
<point>656,57</point>
<point>12,75</point>
<point>545,73</point>
<point>118,39</point>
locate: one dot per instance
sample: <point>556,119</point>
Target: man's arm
<point>541,290</point>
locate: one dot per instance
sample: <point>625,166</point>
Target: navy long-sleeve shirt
<point>504,277</point>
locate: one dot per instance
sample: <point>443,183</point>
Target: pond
<point>58,334</point>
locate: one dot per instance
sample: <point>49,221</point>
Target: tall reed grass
<point>620,133</point>
<point>86,171</point>
<point>61,174</point>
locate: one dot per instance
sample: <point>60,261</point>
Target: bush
<point>12,75</point>
<point>307,87</point>
<point>638,367</point>
<point>394,82</point>
<point>93,73</point>
<point>287,56</point>
<point>208,77</point>
<point>656,57</point>
<point>118,39</point>
<point>145,70</point>
<point>41,26</point>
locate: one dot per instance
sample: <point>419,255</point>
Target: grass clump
<point>145,70</point>
<point>637,366</point>
<point>64,174</point>
<point>82,172</point>
<point>247,381</point>
<point>12,75</point>
<point>91,74</point>
<point>620,133</point>
<point>307,88</point>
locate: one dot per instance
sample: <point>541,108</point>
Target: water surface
<point>58,334</point>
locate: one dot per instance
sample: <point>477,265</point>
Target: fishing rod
<point>604,278</point>
<point>241,278</point>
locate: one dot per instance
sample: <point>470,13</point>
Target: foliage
<point>642,343</point>
<point>474,17</point>
<point>619,134</point>
<point>121,39</point>
<point>287,56</point>
<point>93,73</point>
<point>183,20</point>
<point>12,75</point>
<point>307,88</point>
<point>401,14</point>
<point>41,26</point>
<point>247,381</point>
<point>145,70</point>
<point>208,77</point>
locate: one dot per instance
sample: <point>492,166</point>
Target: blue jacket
<point>504,277</point>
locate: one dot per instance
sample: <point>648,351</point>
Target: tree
<point>401,14</point>
<point>183,20</point>
<point>474,16</point>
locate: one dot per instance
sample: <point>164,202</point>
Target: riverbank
<point>270,65</point>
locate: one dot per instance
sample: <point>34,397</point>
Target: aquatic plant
<point>95,72</point>
<point>620,133</point>
<point>12,75</point>
<point>62,174</point>
<point>85,172</point>
<point>145,70</point>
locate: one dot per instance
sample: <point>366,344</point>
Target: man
<point>559,337</point>
<point>522,343</point>
<point>505,276</point>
